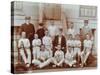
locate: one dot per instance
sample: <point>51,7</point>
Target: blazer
<point>63,42</point>
<point>29,29</point>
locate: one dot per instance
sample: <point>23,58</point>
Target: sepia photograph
<point>47,37</point>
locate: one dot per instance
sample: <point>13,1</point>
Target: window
<point>88,11</point>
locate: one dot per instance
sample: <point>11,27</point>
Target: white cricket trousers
<point>41,64</point>
<point>84,56</point>
<point>36,51</point>
<point>28,58</point>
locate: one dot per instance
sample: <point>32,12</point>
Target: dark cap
<point>41,24</point>
<point>61,29</point>
<point>85,21</point>
<point>27,18</point>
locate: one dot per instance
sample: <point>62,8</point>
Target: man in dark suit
<point>41,31</point>
<point>28,28</point>
<point>60,39</point>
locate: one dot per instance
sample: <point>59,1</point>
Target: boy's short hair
<point>46,29</point>
<point>85,21</point>
<point>60,29</point>
<point>41,24</point>
<point>87,34</point>
<point>70,35</point>
<point>27,18</point>
<point>42,45</point>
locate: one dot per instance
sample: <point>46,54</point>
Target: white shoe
<point>74,65</point>
<point>81,65</point>
<point>53,65</point>
<point>27,65</point>
<point>32,61</point>
<point>59,65</point>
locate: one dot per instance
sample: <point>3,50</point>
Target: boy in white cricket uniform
<point>69,57</point>
<point>86,30</point>
<point>70,46</point>
<point>58,58</point>
<point>36,46</point>
<point>47,41</point>
<point>86,51</point>
<point>77,46</point>
<point>24,45</point>
<point>43,59</point>
<point>70,42</point>
<point>70,29</point>
<point>53,29</point>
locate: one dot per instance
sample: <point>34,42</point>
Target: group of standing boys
<point>50,45</point>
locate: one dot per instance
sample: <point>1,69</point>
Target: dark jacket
<point>29,29</point>
<point>63,42</point>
